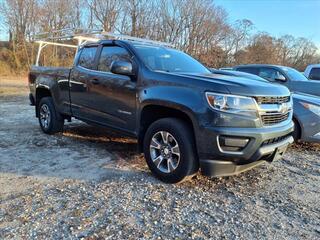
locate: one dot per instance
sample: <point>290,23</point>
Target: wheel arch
<point>153,112</point>
<point>296,121</point>
<point>41,92</point>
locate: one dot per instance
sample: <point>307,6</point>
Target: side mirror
<point>280,78</point>
<point>122,68</point>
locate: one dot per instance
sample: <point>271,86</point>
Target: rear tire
<point>49,119</point>
<point>169,149</point>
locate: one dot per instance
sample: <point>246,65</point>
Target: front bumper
<point>263,144</point>
<point>267,153</point>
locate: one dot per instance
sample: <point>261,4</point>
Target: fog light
<point>233,144</point>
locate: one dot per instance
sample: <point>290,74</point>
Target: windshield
<point>294,74</point>
<point>168,60</point>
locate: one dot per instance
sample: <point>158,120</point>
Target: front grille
<point>272,100</point>
<point>275,140</point>
<point>274,118</point>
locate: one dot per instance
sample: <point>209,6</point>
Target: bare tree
<point>286,45</point>
<point>198,27</point>
<point>106,13</point>
<point>19,19</point>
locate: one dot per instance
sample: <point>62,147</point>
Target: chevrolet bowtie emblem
<point>284,107</point>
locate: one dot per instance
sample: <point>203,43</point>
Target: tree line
<point>198,27</point>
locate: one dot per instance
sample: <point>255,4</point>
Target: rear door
<point>81,75</point>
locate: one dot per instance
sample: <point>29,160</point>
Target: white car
<point>313,72</point>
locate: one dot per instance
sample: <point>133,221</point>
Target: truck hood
<point>241,85</point>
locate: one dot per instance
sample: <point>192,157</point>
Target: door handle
<point>95,81</point>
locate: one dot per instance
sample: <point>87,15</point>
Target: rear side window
<point>110,54</point>
<point>315,74</point>
<point>87,56</point>
<point>252,70</point>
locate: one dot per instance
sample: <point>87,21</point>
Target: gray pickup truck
<point>183,116</point>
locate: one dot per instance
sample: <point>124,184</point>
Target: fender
<point>56,81</point>
<point>181,98</point>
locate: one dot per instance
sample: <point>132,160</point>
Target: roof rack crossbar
<point>136,39</point>
<point>63,34</point>
<point>91,35</point>
<point>43,44</point>
<point>83,36</point>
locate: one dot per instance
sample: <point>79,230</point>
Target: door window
<point>110,54</point>
<point>271,74</point>
<point>87,57</point>
<point>315,74</point>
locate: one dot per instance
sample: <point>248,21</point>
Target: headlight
<point>313,108</point>
<point>233,104</point>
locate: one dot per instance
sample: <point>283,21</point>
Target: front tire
<point>49,119</point>
<point>297,131</point>
<point>169,150</point>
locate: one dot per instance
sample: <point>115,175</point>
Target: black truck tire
<point>49,119</point>
<point>296,134</point>
<point>169,150</point>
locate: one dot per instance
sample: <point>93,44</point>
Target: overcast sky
<point>300,18</point>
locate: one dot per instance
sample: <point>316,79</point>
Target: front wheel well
<point>297,129</point>
<point>152,113</point>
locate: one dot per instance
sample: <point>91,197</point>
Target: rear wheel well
<point>152,113</point>
<point>41,93</point>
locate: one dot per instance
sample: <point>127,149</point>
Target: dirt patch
<point>13,86</point>
<point>91,183</point>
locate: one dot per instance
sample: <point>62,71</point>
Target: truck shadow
<point>89,153</point>
<point>125,158</point>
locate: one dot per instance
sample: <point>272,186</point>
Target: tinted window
<point>315,74</point>
<point>86,59</point>
<point>294,74</point>
<point>270,74</point>
<point>252,70</point>
<point>267,73</point>
<point>110,54</point>
<point>164,59</point>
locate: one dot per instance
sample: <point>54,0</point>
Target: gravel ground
<point>90,183</point>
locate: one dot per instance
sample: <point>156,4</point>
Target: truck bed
<point>61,72</point>
<point>54,78</point>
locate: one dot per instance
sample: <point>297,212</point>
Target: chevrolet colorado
<point>183,116</point>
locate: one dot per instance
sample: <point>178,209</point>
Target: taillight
<point>31,78</point>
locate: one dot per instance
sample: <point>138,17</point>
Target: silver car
<point>306,110</point>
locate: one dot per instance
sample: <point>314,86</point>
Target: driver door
<point>113,95</point>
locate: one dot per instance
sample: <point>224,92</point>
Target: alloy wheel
<point>45,116</point>
<point>164,151</point>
